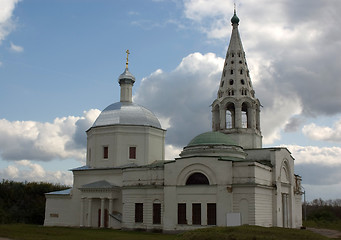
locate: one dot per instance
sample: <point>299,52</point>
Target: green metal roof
<point>211,138</point>
<point>235,19</point>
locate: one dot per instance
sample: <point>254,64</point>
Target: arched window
<point>245,116</point>
<point>230,111</point>
<point>197,179</point>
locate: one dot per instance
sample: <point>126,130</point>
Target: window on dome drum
<point>182,213</point>
<point>232,54</point>
<point>241,71</point>
<point>222,83</point>
<point>197,179</point>
<point>132,152</point>
<point>239,54</point>
<point>138,212</point>
<point>196,213</point>
<point>231,81</point>
<point>232,62</point>
<point>240,61</point>
<point>224,73</point>
<point>211,214</point>
<point>242,81</point>
<point>105,152</point>
<point>231,71</point>
<point>156,213</point>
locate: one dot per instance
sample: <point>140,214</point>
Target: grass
<point>35,232</point>
<point>336,225</point>
<point>250,233</point>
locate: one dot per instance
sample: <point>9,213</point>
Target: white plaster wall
<point>149,143</point>
<point>219,174</point>
<point>63,206</point>
<point>147,196</point>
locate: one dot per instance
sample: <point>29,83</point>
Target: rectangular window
<point>211,214</point>
<point>157,213</point>
<point>182,213</point>
<point>196,214</point>
<point>132,152</point>
<point>138,212</point>
<point>105,152</point>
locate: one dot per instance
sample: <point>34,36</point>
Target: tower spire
<point>236,109</point>
<point>126,81</point>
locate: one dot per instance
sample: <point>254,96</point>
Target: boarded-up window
<point>138,212</point>
<point>196,214</point>
<point>105,152</point>
<point>157,213</point>
<point>182,213</point>
<point>132,152</point>
<point>211,214</point>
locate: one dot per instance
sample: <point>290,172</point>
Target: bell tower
<point>236,111</point>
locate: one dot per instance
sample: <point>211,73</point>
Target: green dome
<point>211,138</point>
<point>234,19</point>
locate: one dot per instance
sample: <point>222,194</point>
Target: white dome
<point>126,113</point>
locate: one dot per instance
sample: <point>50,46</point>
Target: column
<point>222,113</point>
<point>252,116</point>
<point>110,210</point>
<point>89,212</point>
<point>102,212</point>
<point>258,119</point>
<point>81,222</point>
<point>238,117</point>
<point>204,214</point>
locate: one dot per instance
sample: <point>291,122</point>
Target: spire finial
<point>127,57</point>
<point>234,19</point>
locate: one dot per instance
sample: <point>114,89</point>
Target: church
<point>221,178</point>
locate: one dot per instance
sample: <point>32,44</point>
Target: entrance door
<point>285,210</point>
<point>106,218</point>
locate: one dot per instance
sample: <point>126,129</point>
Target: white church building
<point>221,178</point>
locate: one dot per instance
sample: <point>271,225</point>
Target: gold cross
<point>127,57</point>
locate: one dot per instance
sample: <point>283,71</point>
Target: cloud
<point>25,170</point>
<point>172,152</point>
<point>293,45</point>
<point>6,21</point>
<point>319,167</point>
<point>323,133</point>
<point>294,124</point>
<point>62,139</point>
<point>328,156</point>
<point>183,96</point>
<point>16,48</point>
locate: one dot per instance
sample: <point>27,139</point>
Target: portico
<point>97,205</point>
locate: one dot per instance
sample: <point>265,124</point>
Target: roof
<point>211,138</point>
<point>126,113</point>
<point>62,192</point>
<point>126,76</point>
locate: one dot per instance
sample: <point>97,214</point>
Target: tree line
<point>24,202</point>
<point>323,210</point>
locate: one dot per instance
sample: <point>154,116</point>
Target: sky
<point>60,61</point>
